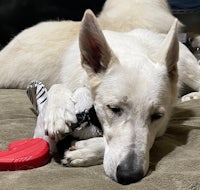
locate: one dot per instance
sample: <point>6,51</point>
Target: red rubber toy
<point>25,154</point>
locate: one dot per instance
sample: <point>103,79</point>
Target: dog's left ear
<point>95,52</point>
<point>169,52</point>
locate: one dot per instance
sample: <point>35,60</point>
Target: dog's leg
<point>190,96</point>
<point>189,73</point>
<point>88,152</point>
<point>37,94</point>
<point>55,115</point>
<point>58,113</point>
<point>191,77</point>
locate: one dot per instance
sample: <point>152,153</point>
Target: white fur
<point>88,157</point>
<point>137,14</point>
<point>132,76</point>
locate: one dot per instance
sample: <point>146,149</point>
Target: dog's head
<point>133,94</point>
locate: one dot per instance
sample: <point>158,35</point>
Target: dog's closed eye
<point>115,109</point>
<point>158,114</point>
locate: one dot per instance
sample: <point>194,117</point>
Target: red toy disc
<point>25,154</point>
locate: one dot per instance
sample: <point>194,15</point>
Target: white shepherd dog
<point>133,70</point>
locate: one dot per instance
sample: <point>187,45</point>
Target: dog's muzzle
<point>130,170</point>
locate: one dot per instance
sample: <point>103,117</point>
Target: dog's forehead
<point>137,82</point>
<point>135,76</point>
<point>137,71</point>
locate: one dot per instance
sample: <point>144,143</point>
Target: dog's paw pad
<point>191,96</point>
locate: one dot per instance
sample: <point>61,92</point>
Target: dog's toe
<point>65,162</point>
<point>74,158</point>
<point>190,96</point>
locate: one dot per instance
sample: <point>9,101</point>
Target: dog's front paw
<point>84,153</point>
<point>58,121</point>
<point>190,96</point>
<point>58,113</point>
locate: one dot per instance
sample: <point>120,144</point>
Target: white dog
<point>133,78</point>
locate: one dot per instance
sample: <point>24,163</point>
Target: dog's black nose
<point>126,175</point>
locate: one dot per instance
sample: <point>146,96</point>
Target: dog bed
<point>174,163</point>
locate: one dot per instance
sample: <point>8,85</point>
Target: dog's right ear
<point>95,52</point>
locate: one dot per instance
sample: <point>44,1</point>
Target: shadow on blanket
<point>175,136</point>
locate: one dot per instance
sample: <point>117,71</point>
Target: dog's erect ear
<point>95,52</point>
<point>169,52</point>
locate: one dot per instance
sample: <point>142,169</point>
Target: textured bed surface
<point>175,157</point>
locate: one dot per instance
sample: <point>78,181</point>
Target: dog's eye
<point>115,109</point>
<point>156,116</point>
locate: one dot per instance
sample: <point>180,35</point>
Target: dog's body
<point>132,75</point>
